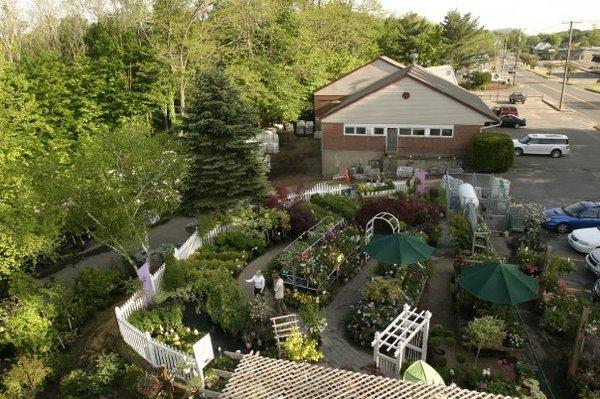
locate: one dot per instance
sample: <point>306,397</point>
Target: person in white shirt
<point>278,287</point>
<point>259,282</point>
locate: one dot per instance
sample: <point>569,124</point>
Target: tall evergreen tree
<point>225,164</point>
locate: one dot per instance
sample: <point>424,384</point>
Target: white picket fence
<point>319,188</point>
<point>399,185</point>
<point>182,365</point>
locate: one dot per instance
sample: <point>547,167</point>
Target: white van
<point>555,145</point>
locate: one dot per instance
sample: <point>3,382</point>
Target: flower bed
<point>381,300</point>
<point>165,323</point>
<point>316,264</point>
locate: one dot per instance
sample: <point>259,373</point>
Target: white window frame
<point>370,130</point>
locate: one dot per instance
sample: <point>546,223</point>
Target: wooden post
<point>577,347</point>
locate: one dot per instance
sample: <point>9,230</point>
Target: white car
<point>585,240</point>
<point>592,262</point>
<point>542,144</point>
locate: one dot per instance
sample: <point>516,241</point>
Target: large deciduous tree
<point>225,164</point>
<point>31,208</point>
<point>121,179</point>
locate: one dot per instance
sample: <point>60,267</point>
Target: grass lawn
<point>595,88</point>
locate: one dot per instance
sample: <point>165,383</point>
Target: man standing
<point>278,287</point>
<point>259,282</point>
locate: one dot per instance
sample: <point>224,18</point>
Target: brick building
<point>384,109</point>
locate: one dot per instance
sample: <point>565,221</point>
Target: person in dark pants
<point>279,291</point>
<point>259,282</point>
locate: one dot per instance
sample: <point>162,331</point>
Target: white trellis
<point>283,326</point>
<point>387,217</point>
<point>404,340</point>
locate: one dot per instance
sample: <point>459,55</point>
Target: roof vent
<point>406,95</point>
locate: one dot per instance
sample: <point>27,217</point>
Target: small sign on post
<point>203,353</point>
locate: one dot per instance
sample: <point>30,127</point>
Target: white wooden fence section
<point>182,365</point>
<point>319,188</point>
<point>399,185</point>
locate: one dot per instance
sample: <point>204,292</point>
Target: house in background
<point>384,111</point>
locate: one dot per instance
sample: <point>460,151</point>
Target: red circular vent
<point>406,95</point>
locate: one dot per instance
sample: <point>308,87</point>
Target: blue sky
<point>533,16</point>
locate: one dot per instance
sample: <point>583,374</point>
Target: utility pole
<point>517,59</point>
<point>564,83</point>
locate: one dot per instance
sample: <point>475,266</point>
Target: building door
<point>391,143</point>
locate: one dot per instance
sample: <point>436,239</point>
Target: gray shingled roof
<point>420,74</point>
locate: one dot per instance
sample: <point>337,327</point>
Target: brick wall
<point>334,139</point>
<point>459,145</point>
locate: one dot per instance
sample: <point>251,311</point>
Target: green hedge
<point>342,205</point>
<point>492,152</point>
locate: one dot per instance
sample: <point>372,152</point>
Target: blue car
<point>577,215</point>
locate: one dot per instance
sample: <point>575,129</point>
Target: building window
<point>434,132</point>
<point>349,130</point>
<point>447,132</point>
<point>378,130</point>
<point>405,132</point>
<point>418,131</point>
<point>361,130</point>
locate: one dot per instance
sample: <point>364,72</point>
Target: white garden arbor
<point>388,218</point>
<point>404,340</point>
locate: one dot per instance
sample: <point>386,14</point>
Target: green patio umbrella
<point>399,249</point>
<point>420,371</point>
<point>498,282</point>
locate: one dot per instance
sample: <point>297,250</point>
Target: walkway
<point>436,296</point>
<point>338,351</point>
<point>173,232</point>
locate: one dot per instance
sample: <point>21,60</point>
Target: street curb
<point>591,90</point>
<point>550,104</point>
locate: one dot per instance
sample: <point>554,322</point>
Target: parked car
<point>577,215</point>
<point>585,240</point>
<point>517,97</point>
<point>505,110</point>
<point>592,262</point>
<point>555,145</point>
<point>512,121</point>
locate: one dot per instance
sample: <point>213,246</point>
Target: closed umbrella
<point>498,282</point>
<point>399,249</point>
<point>420,371</point>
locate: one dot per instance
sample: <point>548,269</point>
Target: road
<point>582,101</point>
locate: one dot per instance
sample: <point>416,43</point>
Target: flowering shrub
<point>299,298</point>
<point>165,323</point>
<point>381,299</point>
<point>299,348</point>
<point>561,311</point>
<point>314,320</point>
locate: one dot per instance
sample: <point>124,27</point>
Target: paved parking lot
<point>554,182</point>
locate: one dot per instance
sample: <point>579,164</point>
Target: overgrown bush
<point>481,79</point>
<point>239,241</point>
<point>96,382</point>
<point>220,297</point>
<point>95,288</point>
<point>177,274</point>
<point>492,152</point>
<point>413,212</point>
<point>342,205</point>
<point>25,377</point>
<point>460,230</point>
<point>314,319</point>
